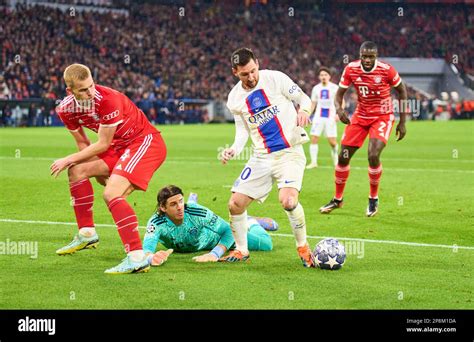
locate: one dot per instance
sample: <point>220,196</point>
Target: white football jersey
<point>268,112</point>
<point>325,96</point>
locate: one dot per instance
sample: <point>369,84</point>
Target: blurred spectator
<point>158,58</point>
<point>5,93</point>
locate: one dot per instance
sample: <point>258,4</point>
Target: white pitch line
<point>414,244</point>
<point>206,161</point>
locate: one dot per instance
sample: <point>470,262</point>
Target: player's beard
<point>368,68</point>
<point>251,84</point>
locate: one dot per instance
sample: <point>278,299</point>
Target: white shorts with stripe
<point>285,167</point>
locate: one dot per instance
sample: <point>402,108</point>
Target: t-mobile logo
<point>36,324</point>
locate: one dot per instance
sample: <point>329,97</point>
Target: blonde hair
<point>75,72</point>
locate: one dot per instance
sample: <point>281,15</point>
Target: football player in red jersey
<point>128,151</point>
<point>373,116</point>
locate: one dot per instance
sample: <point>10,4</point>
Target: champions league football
<point>329,254</point>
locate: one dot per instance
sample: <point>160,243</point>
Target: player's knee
<point>108,195</point>
<point>235,208</point>
<point>374,159</point>
<point>289,202</point>
<point>101,180</point>
<point>343,161</point>
<point>76,173</point>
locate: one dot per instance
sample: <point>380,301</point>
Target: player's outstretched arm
<point>401,130</point>
<point>338,102</point>
<point>159,258</point>
<point>214,255</point>
<point>241,137</point>
<point>106,135</point>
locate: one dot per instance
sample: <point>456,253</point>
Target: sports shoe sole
<point>92,245</point>
<point>328,210</point>
<point>143,269</point>
<point>372,214</point>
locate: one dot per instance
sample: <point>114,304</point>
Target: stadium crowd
<point>160,55</point>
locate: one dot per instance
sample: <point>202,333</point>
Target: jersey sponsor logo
<point>264,116</point>
<point>111,116</point>
<point>364,90</point>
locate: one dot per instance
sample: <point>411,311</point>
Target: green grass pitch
<point>426,197</point>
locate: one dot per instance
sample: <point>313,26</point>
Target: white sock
<point>239,226</point>
<point>87,231</point>
<point>334,155</point>
<point>313,152</point>
<point>136,255</point>
<point>298,224</point>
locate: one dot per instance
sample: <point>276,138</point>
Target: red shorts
<point>138,161</point>
<point>378,127</point>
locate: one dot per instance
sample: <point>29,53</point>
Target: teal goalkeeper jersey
<point>201,230</point>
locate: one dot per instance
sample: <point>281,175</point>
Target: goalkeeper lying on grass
<point>188,228</point>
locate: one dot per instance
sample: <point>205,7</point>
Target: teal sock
<point>258,239</point>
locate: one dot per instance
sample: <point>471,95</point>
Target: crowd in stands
<point>158,55</point>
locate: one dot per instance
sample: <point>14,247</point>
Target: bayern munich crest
<point>378,79</point>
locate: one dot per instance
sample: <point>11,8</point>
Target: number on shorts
<point>245,173</point>
<point>381,129</point>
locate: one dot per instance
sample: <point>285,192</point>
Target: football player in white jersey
<point>325,118</point>
<point>261,103</point>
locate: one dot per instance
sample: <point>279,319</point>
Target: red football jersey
<point>373,87</point>
<point>109,108</point>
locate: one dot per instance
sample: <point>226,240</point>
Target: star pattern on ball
<point>317,261</point>
<point>331,262</point>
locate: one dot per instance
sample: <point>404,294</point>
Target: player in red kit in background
<point>373,116</point>
<point>128,151</point>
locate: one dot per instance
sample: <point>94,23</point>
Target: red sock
<point>127,223</point>
<point>374,179</point>
<point>82,196</point>
<point>341,175</point>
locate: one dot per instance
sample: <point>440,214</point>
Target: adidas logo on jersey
<point>119,167</point>
<point>359,79</point>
